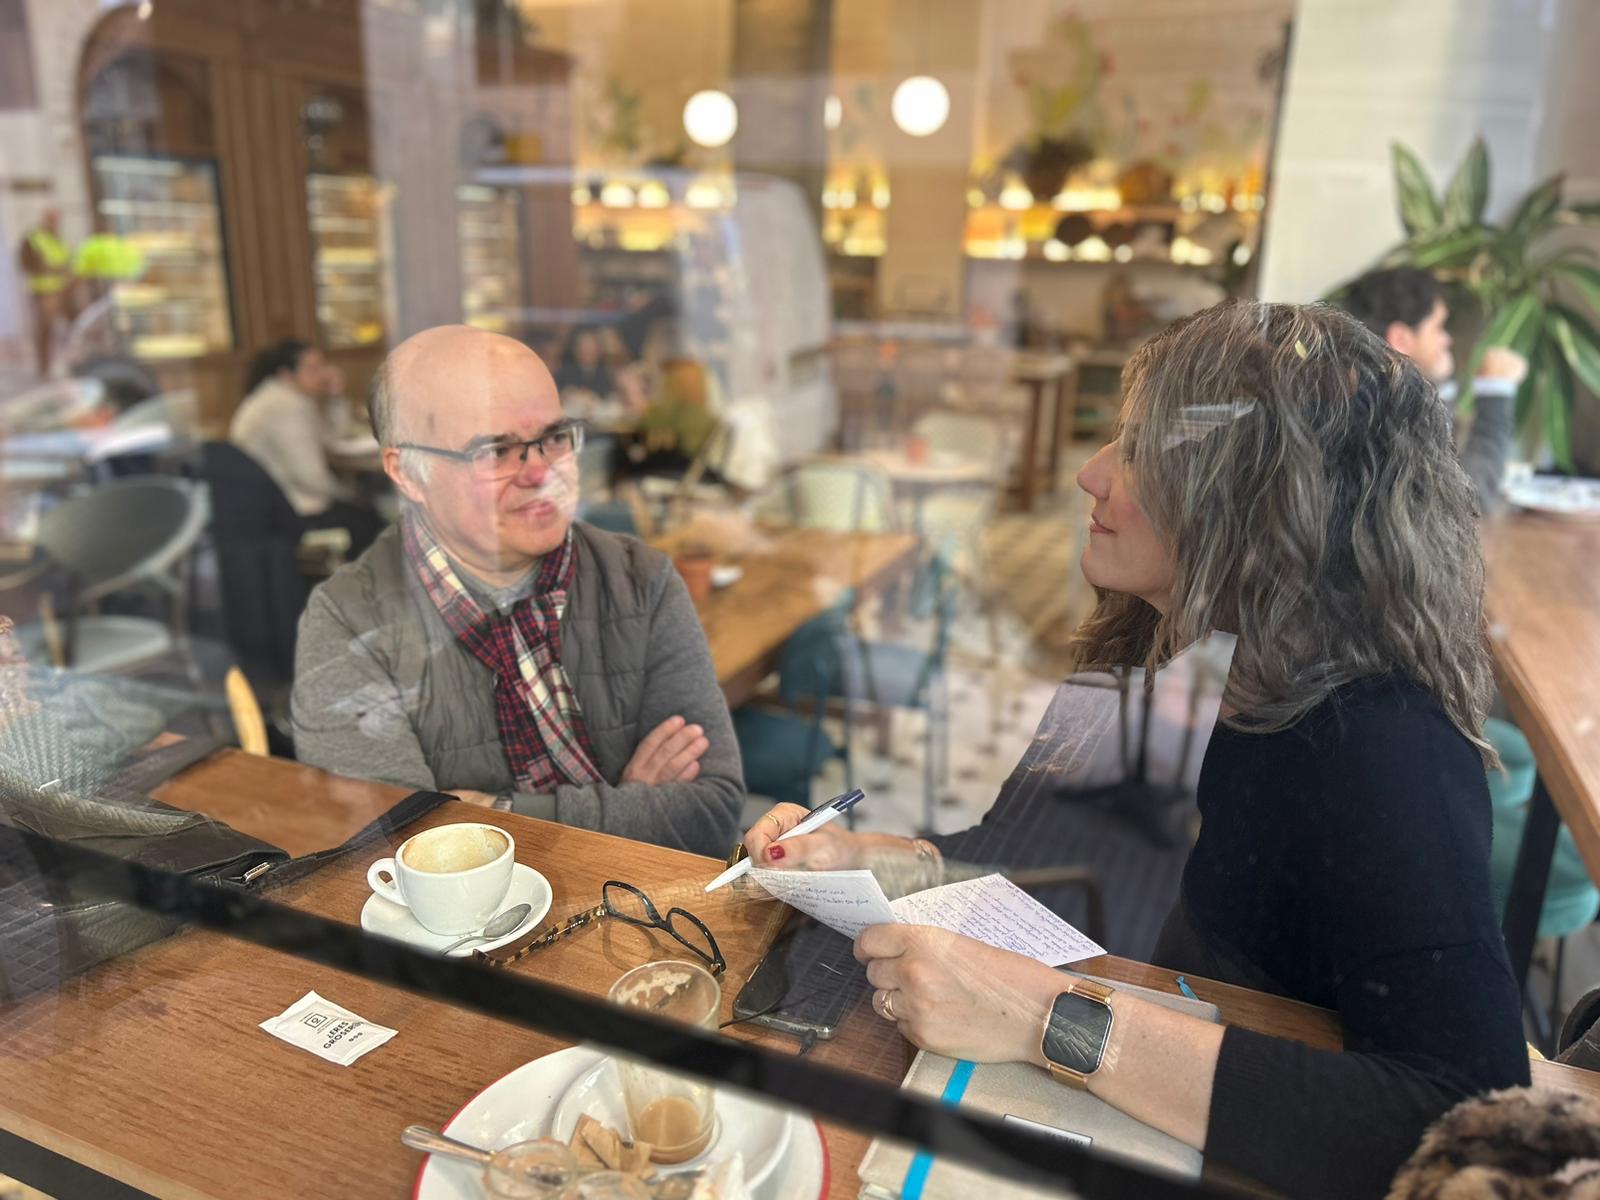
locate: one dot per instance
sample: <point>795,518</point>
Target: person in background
<point>584,368</point>
<point>1405,306</point>
<point>489,646</point>
<point>283,424</point>
<point>45,264</point>
<point>1281,474</point>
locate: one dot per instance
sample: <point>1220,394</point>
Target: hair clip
<point>1300,348</point>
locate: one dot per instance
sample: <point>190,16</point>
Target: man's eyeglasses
<point>503,459</point>
<point>627,903</point>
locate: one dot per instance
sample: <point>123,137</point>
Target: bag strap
<point>416,805</point>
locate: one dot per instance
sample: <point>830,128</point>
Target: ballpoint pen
<point>818,818</point>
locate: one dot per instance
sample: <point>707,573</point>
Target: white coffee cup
<point>452,877</point>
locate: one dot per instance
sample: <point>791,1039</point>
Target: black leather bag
<point>52,927</point>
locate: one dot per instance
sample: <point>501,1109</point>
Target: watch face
<point>1076,1035</point>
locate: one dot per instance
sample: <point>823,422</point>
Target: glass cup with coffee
<point>453,878</point>
<point>675,1114</point>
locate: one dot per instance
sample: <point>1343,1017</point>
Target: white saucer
<point>722,577</point>
<point>388,919</point>
<point>518,1106</point>
<point>759,1132</point>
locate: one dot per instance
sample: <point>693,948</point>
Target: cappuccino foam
<point>453,848</point>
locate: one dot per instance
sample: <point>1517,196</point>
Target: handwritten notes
<point>994,910</point>
<point>990,909</point>
<point>846,901</point>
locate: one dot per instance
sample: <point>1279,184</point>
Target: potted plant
<point>1517,280</point>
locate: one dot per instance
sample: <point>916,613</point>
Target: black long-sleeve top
<point>1345,862</point>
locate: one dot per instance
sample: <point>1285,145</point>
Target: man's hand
<point>481,799</point>
<point>1501,363</point>
<point>669,754</point>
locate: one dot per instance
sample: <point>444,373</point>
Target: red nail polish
<point>774,852</point>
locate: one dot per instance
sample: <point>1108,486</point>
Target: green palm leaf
<point>1535,212</point>
<point>1581,276</point>
<point>1419,208</point>
<point>1579,343</point>
<point>1469,190</point>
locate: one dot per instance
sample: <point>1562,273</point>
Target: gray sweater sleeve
<point>349,714</point>
<point>1489,440</point>
<point>702,816</point>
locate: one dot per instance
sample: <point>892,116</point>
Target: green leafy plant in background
<point>1517,280</point>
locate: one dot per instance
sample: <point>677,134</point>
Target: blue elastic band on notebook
<point>917,1173</point>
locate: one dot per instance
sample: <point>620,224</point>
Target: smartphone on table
<point>806,984</point>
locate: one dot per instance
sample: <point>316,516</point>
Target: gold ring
<point>773,818</point>
<point>885,1006</point>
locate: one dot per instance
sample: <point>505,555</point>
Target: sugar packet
<point>327,1030</point>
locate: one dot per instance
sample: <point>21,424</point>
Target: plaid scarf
<point>541,725</point>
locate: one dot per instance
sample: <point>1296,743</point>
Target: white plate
<point>759,1132</point>
<point>722,577</point>
<point>518,1106</point>
<point>1556,496</point>
<point>388,919</point>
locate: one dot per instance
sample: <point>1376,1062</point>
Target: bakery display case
<point>489,234</point>
<point>349,245</point>
<point>166,214</point>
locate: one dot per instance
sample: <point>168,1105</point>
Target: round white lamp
<point>921,105</point>
<point>710,118</point>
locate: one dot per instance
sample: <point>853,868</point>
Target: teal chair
<point>897,675</point>
<point>1571,899</point>
<point>784,751</point>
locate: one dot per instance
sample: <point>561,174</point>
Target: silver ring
<point>885,1007</point>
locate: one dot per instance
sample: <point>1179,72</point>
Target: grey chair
<point>135,534</point>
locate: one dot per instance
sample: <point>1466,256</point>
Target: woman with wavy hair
<point>1280,474</point>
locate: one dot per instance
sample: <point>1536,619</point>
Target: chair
<point>843,497</point>
<point>248,724</point>
<point>784,751</point>
<point>1571,899</point>
<point>969,436</point>
<point>896,675</point>
<point>614,516</point>
<point>178,410</point>
<point>263,572</point>
<point>135,534</point>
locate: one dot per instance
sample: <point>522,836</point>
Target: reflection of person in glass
<point>584,368</point>
<point>491,647</point>
<point>1281,474</point>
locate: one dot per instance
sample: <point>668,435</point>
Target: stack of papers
<point>991,909</point>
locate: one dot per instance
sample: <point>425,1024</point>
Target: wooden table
<point>150,1068</point>
<point>1543,603</point>
<point>790,576</point>
<point>1039,372</point>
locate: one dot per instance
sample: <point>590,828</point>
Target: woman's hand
<point>956,996</point>
<point>831,848</point>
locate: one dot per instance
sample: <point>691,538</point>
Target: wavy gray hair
<point>1305,477</point>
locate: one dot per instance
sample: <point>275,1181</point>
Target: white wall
<point>1429,73</point>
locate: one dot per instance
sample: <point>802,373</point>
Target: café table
<point>916,478</point>
<point>1542,599</point>
<point>150,1071</point>
<point>789,576</point>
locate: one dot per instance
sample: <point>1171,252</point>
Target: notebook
<point>1024,1094</point>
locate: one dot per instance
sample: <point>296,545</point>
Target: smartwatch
<point>1076,1032</point>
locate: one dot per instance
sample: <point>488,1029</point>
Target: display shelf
<point>169,211</point>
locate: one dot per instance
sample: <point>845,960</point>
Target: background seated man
<point>490,647</point>
<point>1405,307</point>
<point>284,425</point>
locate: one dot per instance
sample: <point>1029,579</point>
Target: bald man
<point>489,646</point>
